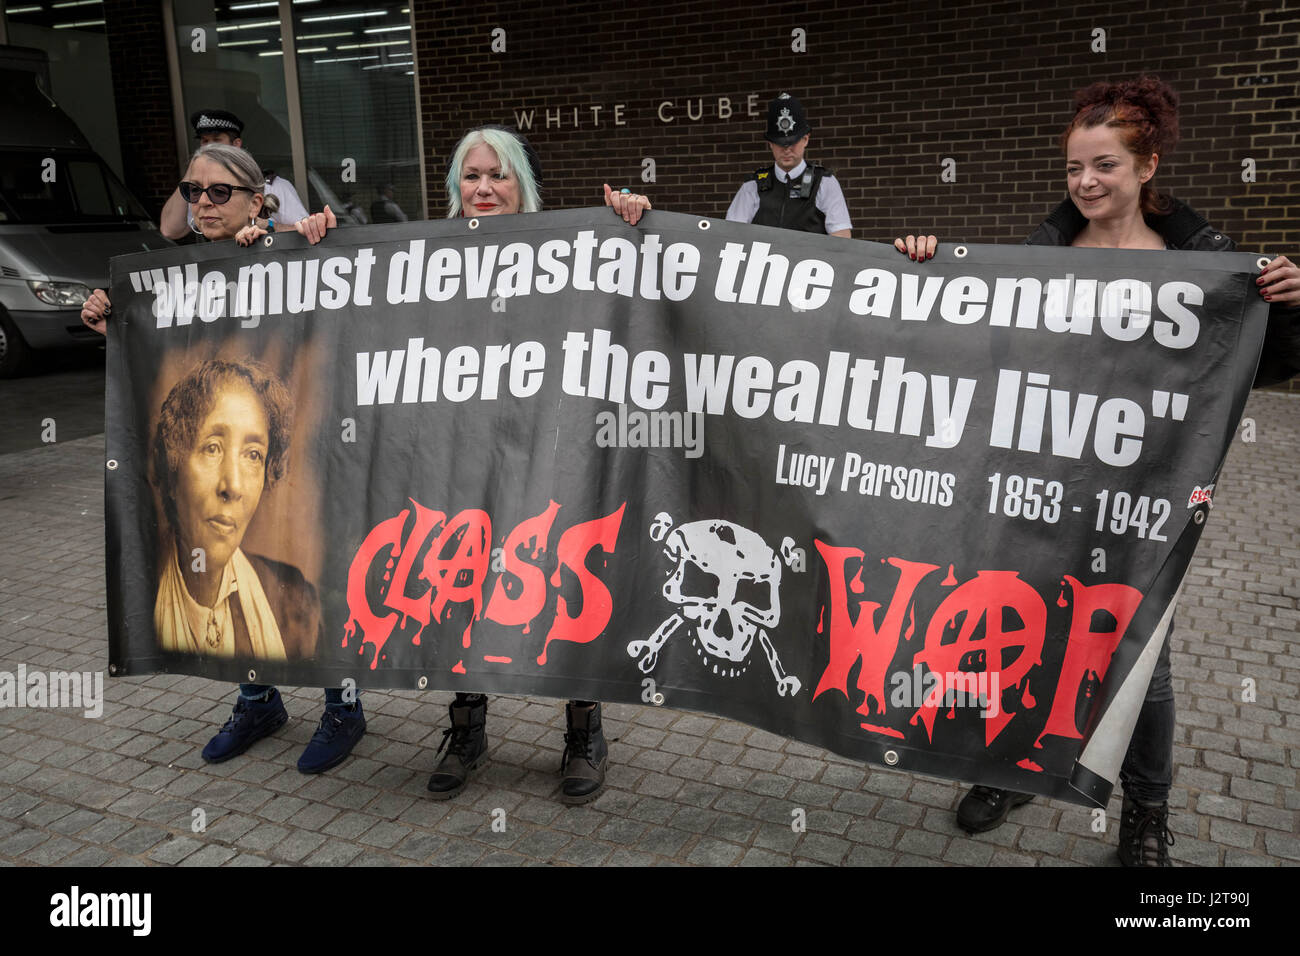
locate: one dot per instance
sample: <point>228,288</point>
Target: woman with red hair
<point>1112,148</point>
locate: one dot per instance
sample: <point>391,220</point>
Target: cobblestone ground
<point>684,788</point>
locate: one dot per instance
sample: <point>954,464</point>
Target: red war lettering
<point>529,598</point>
<point>1088,652</point>
<point>597,603</point>
<point>984,597</point>
<point>851,638</point>
<point>374,629</point>
<point>458,578</point>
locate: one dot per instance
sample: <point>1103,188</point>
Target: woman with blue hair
<point>495,172</point>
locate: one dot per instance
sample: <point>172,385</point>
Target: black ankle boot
<point>466,744</point>
<point>984,808</point>
<point>1144,837</point>
<point>586,755</point>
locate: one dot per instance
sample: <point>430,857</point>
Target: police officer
<point>222,126</point>
<point>792,194</point>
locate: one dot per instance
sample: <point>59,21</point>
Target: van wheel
<point>14,351</point>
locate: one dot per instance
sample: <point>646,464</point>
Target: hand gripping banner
<point>930,516</point>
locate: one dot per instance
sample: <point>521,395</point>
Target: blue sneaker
<point>249,722</point>
<point>339,731</point>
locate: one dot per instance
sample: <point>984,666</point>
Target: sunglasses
<point>219,193</point>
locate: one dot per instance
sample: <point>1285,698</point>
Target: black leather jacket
<point>1183,228</point>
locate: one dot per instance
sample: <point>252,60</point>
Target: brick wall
<point>892,90</point>
<point>141,88</point>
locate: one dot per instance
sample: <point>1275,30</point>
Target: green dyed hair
<point>510,154</point>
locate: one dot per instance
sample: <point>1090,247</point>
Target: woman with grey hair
<point>226,192</point>
<point>495,172</point>
<point>222,440</point>
<point>240,164</point>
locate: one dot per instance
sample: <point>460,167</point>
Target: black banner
<point>931,516</point>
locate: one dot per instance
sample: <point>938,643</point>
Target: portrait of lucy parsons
<point>221,443</point>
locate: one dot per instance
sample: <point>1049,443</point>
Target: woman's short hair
<point>191,400</point>
<point>242,166</point>
<point>512,152</point>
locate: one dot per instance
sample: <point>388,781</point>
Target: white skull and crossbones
<point>727,583</point>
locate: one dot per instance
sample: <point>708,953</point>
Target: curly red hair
<point>1144,113</point>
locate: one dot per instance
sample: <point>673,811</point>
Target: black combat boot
<point>586,755</point>
<point>1144,837</point>
<point>466,744</point>
<point>984,808</point>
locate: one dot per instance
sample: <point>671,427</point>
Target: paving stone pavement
<point>127,788</point>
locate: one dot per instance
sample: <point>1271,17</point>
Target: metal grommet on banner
<point>657,700</point>
<point>252,677</point>
<point>891,757</point>
<point>704,224</point>
<point>1198,516</point>
<point>422,683</point>
<point>960,252</point>
<point>112,668</point>
<point>473,223</point>
<point>268,241</point>
<point>111,464</point>
<point>1262,261</point>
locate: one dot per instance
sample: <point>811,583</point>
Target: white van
<point>63,215</point>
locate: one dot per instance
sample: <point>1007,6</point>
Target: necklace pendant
<point>212,633</point>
